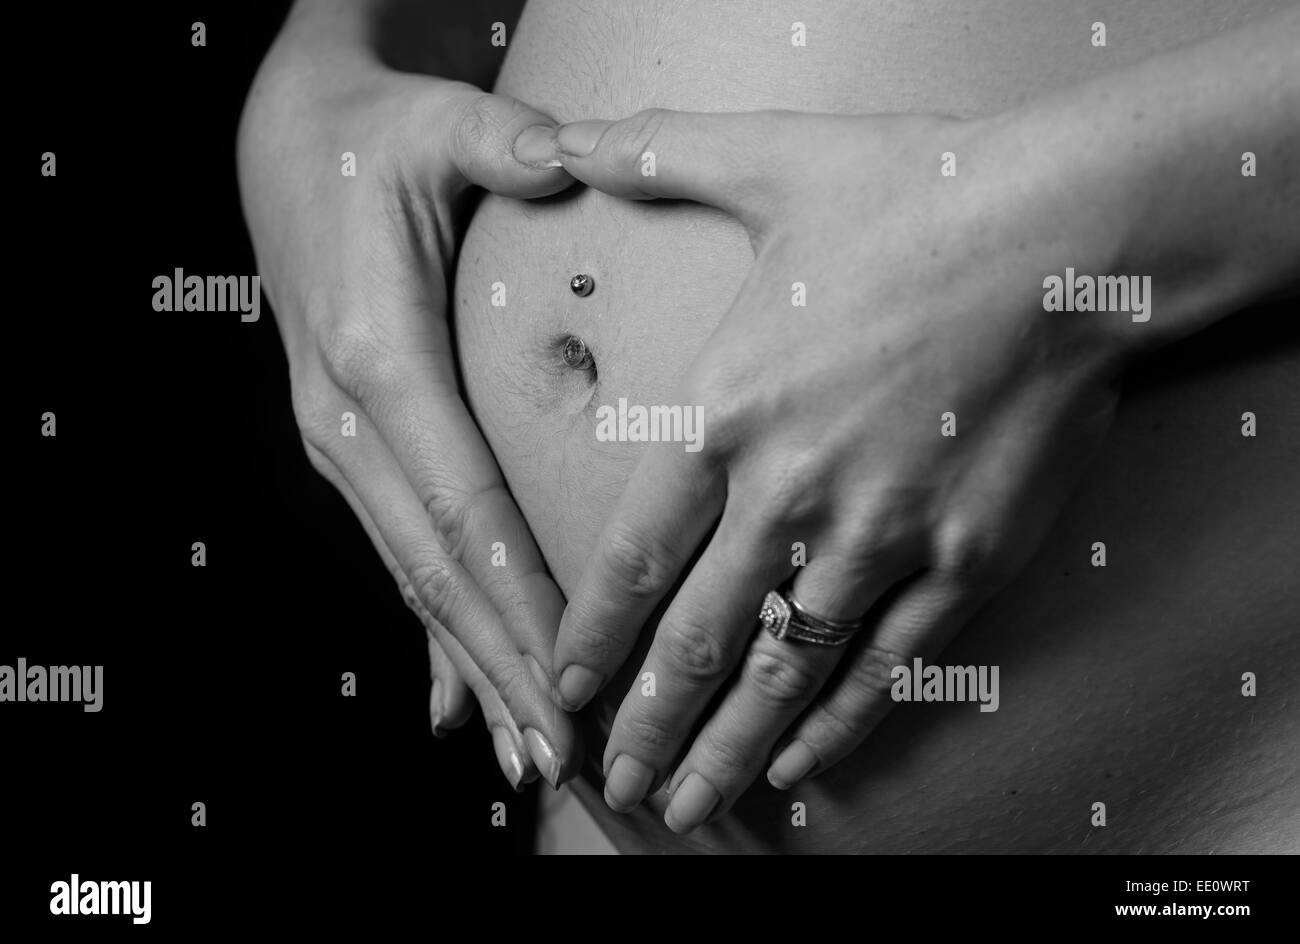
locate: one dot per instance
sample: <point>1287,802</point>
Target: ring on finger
<point>786,618</point>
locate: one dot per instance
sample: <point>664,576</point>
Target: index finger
<point>670,504</point>
<point>730,161</point>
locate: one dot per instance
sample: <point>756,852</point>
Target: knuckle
<point>778,680</point>
<point>971,555</point>
<point>724,394</point>
<point>358,360</point>
<point>630,138</point>
<point>316,424</point>
<point>453,513</point>
<point>590,635</point>
<point>871,674</point>
<point>317,457</point>
<point>432,583</point>
<point>475,123</point>
<point>652,734</point>
<point>796,491</point>
<point>726,419</point>
<point>797,484</point>
<point>448,512</point>
<point>693,653</point>
<point>726,757</point>
<point>884,522</point>
<point>639,563</point>
<point>409,595</point>
<point>828,728</point>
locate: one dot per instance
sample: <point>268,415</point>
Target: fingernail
<point>577,684</point>
<point>543,755</point>
<point>791,765</point>
<point>435,707</point>
<point>692,803</point>
<point>512,765</point>
<point>579,138</point>
<point>535,146</point>
<point>627,783</point>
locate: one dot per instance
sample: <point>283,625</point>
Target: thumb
<point>480,139</point>
<point>733,161</point>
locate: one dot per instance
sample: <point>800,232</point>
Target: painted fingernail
<point>543,755</point>
<point>535,146</point>
<point>627,783</point>
<point>435,708</point>
<point>791,765</point>
<point>512,765</point>
<point>577,684</point>
<point>692,803</point>
<point>579,138</point>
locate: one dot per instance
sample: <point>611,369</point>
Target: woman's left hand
<point>887,400</point>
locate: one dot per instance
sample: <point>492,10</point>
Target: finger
<point>777,681</point>
<point>500,144</point>
<point>669,505</point>
<point>736,162</point>
<point>509,743</point>
<point>698,643</point>
<point>452,597</point>
<point>916,622</point>
<point>450,704</point>
<point>466,540</point>
<point>848,573</point>
<point>461,489</point>
<point>455,675</point>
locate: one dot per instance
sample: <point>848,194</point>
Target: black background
<point>221,683</point>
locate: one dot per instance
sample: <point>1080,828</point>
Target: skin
<point>841,449</point>
<point>659,276</point>
<point>356,270</point>
<point>724,244</point>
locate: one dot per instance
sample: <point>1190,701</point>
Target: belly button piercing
<point>576,354</point>
<point>582,285</point>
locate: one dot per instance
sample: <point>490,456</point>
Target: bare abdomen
<point>1121,684</point>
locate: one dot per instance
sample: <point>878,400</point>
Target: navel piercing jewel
<point>575,353</point>
<point>582,285</point>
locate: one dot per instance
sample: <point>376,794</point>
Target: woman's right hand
<point>355,268</point>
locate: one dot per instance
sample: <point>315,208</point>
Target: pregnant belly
<point>1121,684</point>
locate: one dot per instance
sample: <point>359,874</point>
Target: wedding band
<point>783,617</point>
